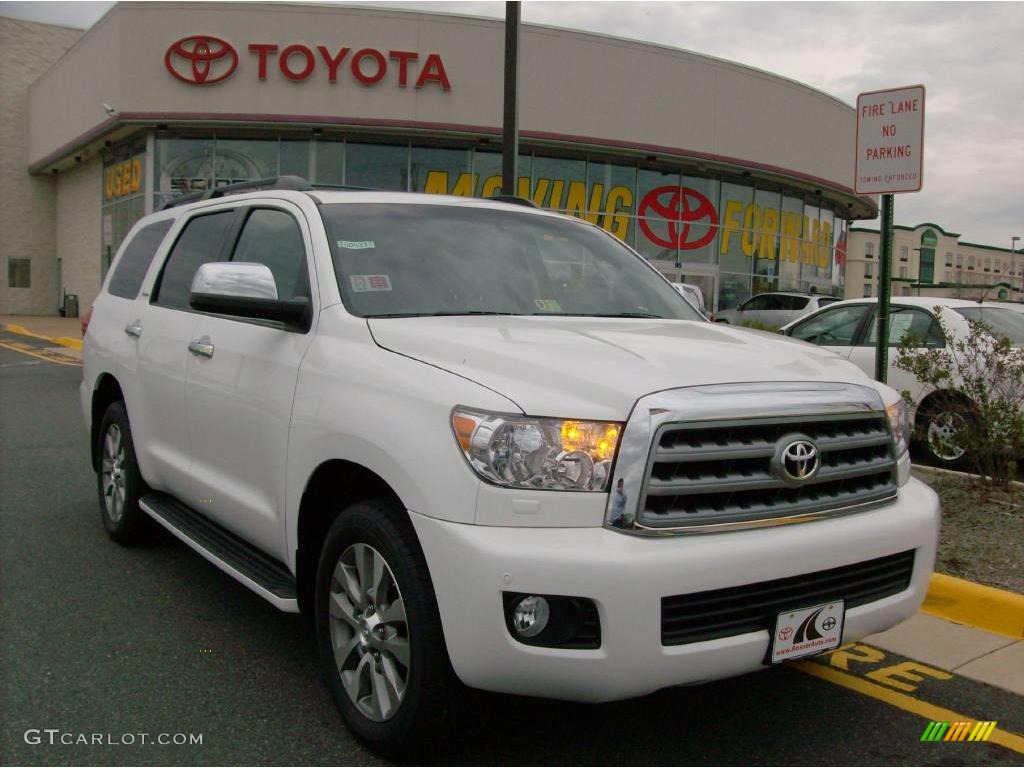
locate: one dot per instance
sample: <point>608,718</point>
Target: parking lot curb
<point>976,605</point>
<point>62,341</point>
<point>953,473</point>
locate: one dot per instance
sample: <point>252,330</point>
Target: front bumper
<point>627,576</point>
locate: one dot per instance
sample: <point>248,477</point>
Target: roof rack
<point>515,200</point>
<point>296,183</point>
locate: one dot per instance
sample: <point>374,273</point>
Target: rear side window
<point>906,324</point>
<point>135,260</point>
<point>273,238</point>
<point>836,327</point>
<point>200,242</point>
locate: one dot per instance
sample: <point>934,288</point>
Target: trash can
<point>71,305</point>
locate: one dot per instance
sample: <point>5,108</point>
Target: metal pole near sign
<point>510,129</point>
<point>884,292</point>
<point>890,151</point>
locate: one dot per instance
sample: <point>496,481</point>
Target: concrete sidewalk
<point>967,651</point>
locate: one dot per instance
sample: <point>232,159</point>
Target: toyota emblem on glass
<point>796,459</point>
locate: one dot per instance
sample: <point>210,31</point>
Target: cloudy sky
<point>970,57</point>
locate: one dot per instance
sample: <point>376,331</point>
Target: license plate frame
<point>806,631</point>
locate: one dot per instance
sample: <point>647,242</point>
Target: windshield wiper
<point>597,314</point>
<point>629,314</point>
<point>440,314</point>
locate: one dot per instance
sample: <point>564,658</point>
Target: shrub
<point>757,325</point>
<point>980,379</point>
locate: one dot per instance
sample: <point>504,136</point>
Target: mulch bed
<point>982,537</point>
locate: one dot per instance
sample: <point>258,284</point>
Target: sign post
<point>884,292</point>
<point>510,122</point>
<point>890,159</point>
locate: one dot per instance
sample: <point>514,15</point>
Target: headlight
<point>524,452</point>
<point>899,421</point>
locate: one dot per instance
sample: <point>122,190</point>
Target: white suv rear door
<point>167,325</point>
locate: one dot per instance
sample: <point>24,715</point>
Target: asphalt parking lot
<point>99,639</point>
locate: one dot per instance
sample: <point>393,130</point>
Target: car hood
<point>597,368</point>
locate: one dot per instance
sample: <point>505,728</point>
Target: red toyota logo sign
<point>682,208</point>
<point>201,60</point>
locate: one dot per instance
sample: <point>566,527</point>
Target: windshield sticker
<point>368,283</point>
<point>548,305</point>
<point>356,245</point>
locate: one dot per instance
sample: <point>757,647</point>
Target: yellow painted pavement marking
<point>42,354</point>
<point>62,341</point>
<point>902,701</point>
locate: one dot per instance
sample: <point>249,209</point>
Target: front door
<point>241,382</point>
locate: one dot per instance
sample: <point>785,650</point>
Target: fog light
<point>530,616</point>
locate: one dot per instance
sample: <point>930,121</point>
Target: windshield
<point>402,260</point>
<point>1004,322</point>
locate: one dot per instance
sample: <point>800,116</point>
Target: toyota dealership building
<point>725,176</point>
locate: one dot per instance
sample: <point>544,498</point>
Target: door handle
<point>201,347</point>
<point>134,329</point>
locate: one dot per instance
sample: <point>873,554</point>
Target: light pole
<point>1013,266</point>
<point>919,270</point>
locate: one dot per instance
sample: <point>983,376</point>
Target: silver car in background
<point>774,309</point>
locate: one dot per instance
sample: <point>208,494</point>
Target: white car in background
<point>692,294</point>
<point>774,309</point>
<point>850,329</point>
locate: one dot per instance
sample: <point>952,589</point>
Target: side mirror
<point>243,289</point>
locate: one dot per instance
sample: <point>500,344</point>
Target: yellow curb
<point>21,330</point>
<point>63,341</point>
<point>965,602</point>
<point>67,341</point>
<point>953,473</point>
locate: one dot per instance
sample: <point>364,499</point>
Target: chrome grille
<point>710,472</point>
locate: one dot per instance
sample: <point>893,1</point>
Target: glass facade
<point>731,236</point>
<point>123,197</point>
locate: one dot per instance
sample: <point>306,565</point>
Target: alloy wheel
<point>942,430</point>
<point>113,468</point>
<point>369,632</point>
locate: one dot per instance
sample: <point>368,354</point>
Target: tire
<point>388,634</point>
<point>118,480</point>
<point>935,426</point>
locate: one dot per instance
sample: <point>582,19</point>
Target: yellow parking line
<point>50,357</point>
<point>63,341</point>
<point>907,703</point>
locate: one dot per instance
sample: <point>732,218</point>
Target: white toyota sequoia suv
<point>486,443</point>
